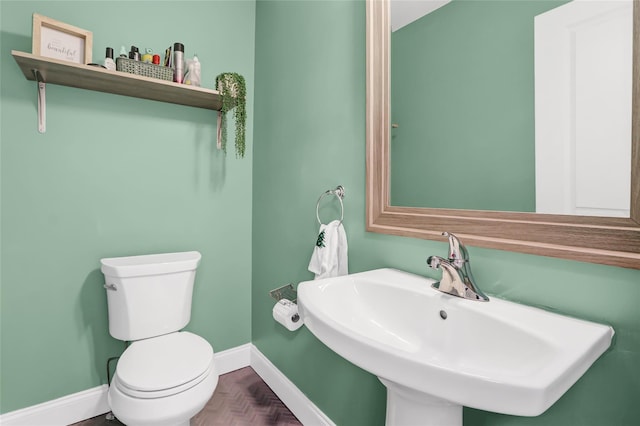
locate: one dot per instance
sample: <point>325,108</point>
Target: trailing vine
<point>233,92</point>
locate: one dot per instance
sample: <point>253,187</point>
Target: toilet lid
<point>164,362</point>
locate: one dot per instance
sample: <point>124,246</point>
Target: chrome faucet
<point>457,279</point>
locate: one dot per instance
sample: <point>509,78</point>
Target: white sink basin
<point>496,356</point>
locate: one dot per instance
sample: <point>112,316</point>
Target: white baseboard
<point>93,402</point>
<point>233,359</point>
<point>62,411</point>
<point>301,406</point>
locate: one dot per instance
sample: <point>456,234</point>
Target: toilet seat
<point>164,365</point>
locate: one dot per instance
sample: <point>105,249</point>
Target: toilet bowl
<point>165,376</point>
<point>163,380</point>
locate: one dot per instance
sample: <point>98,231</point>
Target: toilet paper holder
<point>284,292</point>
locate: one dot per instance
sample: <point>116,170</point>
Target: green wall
<point>310,130</point>
<point>116,176</point>
<point>462,93</point>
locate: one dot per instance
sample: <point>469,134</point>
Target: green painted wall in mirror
<point>462,95</point>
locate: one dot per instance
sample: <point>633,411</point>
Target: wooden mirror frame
<point>609,241</point>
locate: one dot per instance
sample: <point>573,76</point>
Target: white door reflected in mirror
<point>583,76</point>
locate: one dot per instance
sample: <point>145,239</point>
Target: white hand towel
<point>329,258</point>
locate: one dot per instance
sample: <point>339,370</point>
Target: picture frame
<point>57,40</point>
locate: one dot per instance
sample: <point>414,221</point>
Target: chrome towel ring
<point>339,193</point>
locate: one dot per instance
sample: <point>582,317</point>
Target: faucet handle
<point>457,251</point>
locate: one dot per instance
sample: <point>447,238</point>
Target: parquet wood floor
<point>241,398</point>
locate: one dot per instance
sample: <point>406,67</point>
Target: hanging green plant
<point>233,92</point>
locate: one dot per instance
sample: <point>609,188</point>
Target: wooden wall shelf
<point>65,73</point>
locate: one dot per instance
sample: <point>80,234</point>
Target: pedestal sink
<point>436,353</point>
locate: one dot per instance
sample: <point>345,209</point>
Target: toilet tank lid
<point>150,264</point>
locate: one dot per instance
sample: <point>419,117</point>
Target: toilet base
<point>174,410</point>
<point>187,423</point>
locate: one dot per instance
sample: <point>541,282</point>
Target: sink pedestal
<point>409,407</point>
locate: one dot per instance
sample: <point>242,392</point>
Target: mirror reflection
<point>518,105</point>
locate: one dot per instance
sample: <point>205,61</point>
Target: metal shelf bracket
<point>42,101</point>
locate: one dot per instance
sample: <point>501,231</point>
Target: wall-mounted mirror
<point>477,146</point>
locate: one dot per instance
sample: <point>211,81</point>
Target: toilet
<point>165,376</point>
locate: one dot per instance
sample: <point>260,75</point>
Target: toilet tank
<point>149,295</point>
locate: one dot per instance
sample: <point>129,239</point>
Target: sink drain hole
<point>443,315</point>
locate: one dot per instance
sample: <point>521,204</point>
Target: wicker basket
<point>145,69</point>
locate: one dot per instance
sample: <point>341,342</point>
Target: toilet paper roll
<point>286,313</point>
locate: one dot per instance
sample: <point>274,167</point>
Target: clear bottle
<point>109,63</point>
<point>192,75</point>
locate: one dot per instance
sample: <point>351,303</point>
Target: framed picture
<point>55,39</point>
